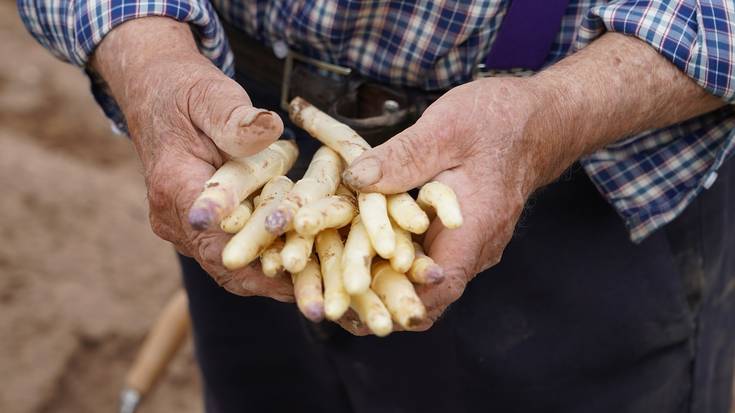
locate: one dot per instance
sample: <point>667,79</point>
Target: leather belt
<point>376,111</point>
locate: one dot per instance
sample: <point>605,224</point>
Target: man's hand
<point>185,118</point>
<point>473,140</point>
<point>496,140</point>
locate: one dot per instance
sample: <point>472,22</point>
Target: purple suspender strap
<point>526,34</point>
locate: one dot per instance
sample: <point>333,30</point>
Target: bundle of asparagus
<point>302,228</point>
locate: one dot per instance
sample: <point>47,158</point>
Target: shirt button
<point>280,49</point>
<point>710,180</point>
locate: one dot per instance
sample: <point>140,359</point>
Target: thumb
<point>223,111</point>
<point>404,162</point>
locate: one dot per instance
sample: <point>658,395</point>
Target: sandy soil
<point>81,274</point>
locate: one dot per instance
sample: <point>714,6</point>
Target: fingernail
<point>247,127</point>
<point>364,173</point>
<point>250,115</point>
<point>265,123</point>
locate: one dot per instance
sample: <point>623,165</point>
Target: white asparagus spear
<point>398,295</point>
<point>307,290</point>
<point>334,211</point>
<point>234,222</point>
<point>270,259</point>
<point>237,179</point>
<point>423,269</point>
<point>246,245</point>
<point>329,248</point>
<point>404,254</point>
<point>443,199</point>
<point>372,312</point>
<point>349,144</point>
<point>407,214</point>
<point>356,259</point>
<point>374,212</point>
<point>296,251</point>
<point>320,180</point>
<point>331,132</point>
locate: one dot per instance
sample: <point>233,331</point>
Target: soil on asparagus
<point>81,274</point>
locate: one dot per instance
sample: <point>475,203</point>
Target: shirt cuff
<point>697,36</point>
<point>651,178</point>
<point>72,31</point>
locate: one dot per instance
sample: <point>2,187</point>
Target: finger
<point>223,111</point>
<point>407,160</point>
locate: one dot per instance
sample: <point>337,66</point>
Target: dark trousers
<point>575,318</point>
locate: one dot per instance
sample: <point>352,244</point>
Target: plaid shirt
<point>649,178</point>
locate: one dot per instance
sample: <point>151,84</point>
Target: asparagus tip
<point>314,312</point>
<point>434,274</point>
<point>276,222</point>
<point>199,219</point>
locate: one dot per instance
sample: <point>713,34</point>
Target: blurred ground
<point>81,274</point>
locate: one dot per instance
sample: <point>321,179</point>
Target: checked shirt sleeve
<point>652,177</point>
<point>71,30</point>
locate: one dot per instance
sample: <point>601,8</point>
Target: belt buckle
<point>288,68</point>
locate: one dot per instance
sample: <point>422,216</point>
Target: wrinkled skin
<point>487,168</point>
<point>181,110</point>
<point>496,140</point>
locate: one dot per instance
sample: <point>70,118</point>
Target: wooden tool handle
<point>164,339</point>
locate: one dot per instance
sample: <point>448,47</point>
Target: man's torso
<point>425,44</point>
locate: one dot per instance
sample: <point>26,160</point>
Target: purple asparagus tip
<point>434,274</point>
<point>314,312</point>
<point>276,222</point>
<point>202,217</point>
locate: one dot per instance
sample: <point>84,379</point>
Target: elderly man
<point>615,291</point>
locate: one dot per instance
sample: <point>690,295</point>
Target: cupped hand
<point>477,139</point>
<point>185,118</point>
